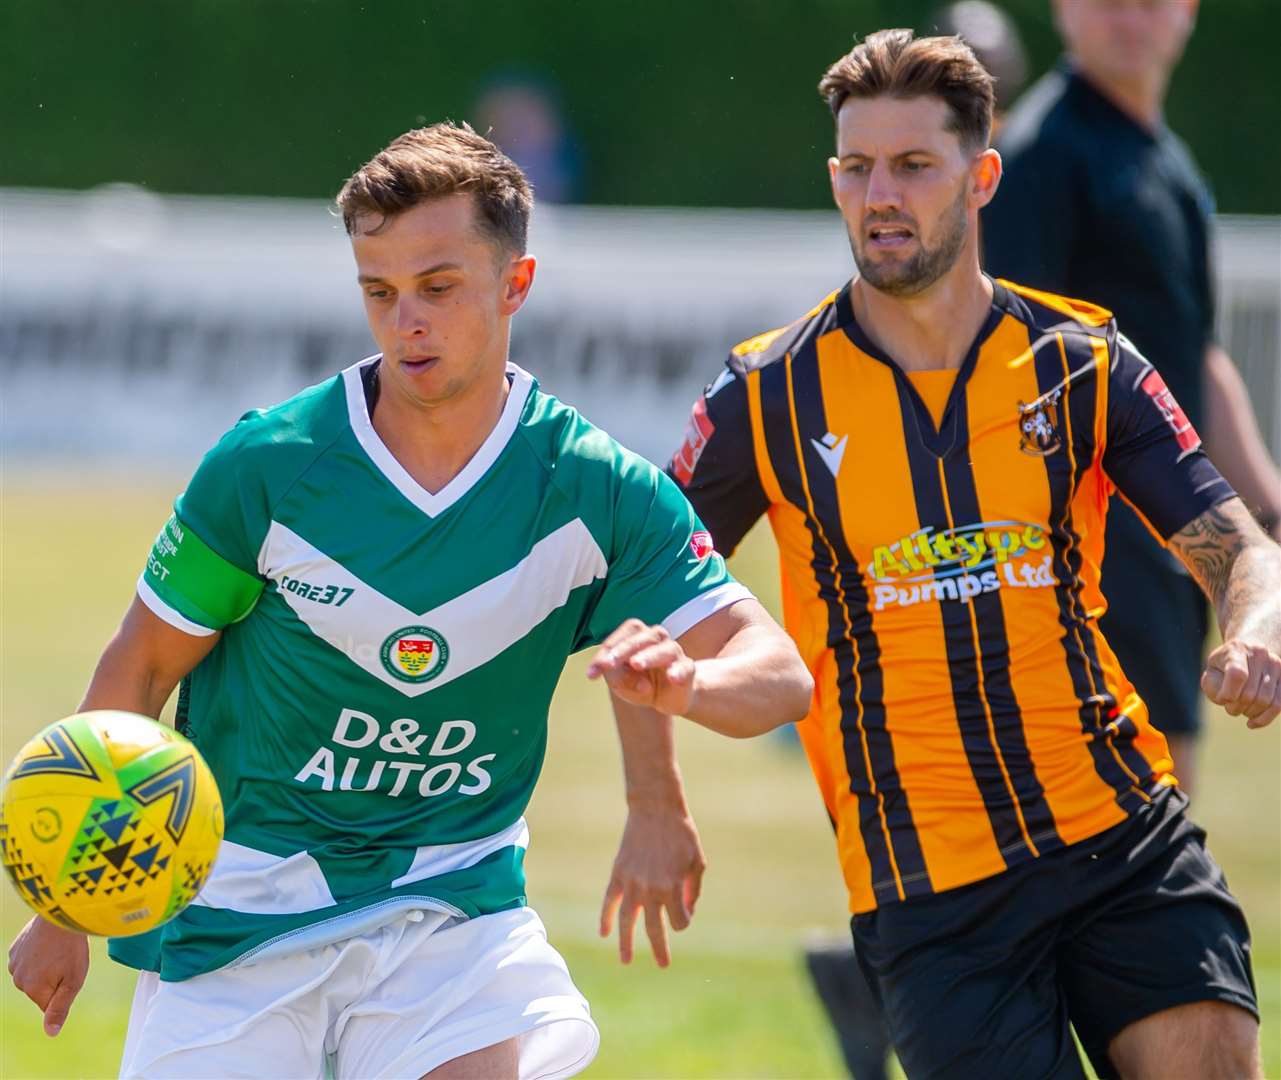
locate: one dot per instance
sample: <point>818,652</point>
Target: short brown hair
<point>437,161</point>
<point>896,63</point>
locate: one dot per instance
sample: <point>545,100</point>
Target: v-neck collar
<point>522,383</point>
<point>942,440</point>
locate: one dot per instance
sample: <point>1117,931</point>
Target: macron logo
<point>831,450</point>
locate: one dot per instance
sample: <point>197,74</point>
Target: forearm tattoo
<point>1233,561</point>
<point>1210,544</point>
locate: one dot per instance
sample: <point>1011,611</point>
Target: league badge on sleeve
<point>701,544</point>
<point>1154,386</point>
<point>697,432</point>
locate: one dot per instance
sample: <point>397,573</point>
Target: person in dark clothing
<point>1101,200</point>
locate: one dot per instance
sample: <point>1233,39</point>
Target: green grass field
<point>735,1002</point>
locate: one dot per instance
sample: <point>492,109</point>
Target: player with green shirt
<point>368,593</point>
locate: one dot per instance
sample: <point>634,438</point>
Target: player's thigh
<point>967,998</point>
<point>442,993</point>
<point>1170,935</point>
<point>263,1020</point>
<point>500,1062</point>
<point>1207,1040</point>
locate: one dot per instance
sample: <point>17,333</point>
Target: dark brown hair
<point>896,63</point>
<point>432,163</point>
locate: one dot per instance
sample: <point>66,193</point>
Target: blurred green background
<point>671,102</point>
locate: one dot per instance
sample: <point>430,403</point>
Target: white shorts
<point>397,1001</point>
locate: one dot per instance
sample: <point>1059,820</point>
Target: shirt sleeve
<point>1030,226</point>
<point>662,565</point>
<point>202,574</point>
<point>715,466</point>
<point>1153,454</point>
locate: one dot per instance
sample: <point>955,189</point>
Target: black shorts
<point>1156,623</point>
<point>983,980</point>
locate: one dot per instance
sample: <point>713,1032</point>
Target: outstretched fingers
<point>627,916</point>
<point>55,1013</point>
<point>656,929</point>
<point>609,906</point>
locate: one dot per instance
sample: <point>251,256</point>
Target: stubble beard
<point>926,266</point>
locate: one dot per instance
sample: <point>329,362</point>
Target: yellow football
<point>109,822</point>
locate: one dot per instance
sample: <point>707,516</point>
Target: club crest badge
<point>415,654</point>
<point>1039,426</point>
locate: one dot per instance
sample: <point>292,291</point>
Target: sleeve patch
<point>697,433</point>
<point>1154,386</point>
<point>701,544</point>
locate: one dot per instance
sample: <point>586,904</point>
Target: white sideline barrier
<point>136,327</point>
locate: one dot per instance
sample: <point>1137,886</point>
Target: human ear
<point>517,281</point>
<point>985,177</point>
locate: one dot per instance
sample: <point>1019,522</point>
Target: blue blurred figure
<point>523,115</point>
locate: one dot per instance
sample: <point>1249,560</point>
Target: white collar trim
<point>432,505</point>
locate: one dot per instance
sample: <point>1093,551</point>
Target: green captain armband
<point>196,582</point>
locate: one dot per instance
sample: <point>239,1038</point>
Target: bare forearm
<point>117,685</point>
<point>1240,570</point>
<point>755,684</point>
<point>1238,567</point>
<point>1232,437</point>
<point>735,671</point>
<point>650,771</point>
<point>143,663</point>
<point>660,861</point>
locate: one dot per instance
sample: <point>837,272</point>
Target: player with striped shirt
<point>935,452</point>
<point>368,593</point>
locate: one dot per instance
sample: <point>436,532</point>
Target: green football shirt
<point>375,711</point>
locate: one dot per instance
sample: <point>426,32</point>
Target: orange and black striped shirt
<point>942,580</point>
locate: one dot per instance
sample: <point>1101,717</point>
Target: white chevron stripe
<point>255,882</point>
<point>436,859</point>
<point>477,625</point>
<point>259,883</point>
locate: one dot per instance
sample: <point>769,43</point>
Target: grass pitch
<point>735,1003</point>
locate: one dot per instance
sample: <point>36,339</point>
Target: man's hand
<point>49,965</point>
<point>644,666</point>
<point>660,864</point>
<point>1245,679</point>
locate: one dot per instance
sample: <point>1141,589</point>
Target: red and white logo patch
<point>698,431</point>
<point>1154,386</point>
<point>701,544</point>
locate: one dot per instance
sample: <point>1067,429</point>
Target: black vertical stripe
<point>1076,411</point>
<point>1080,353</point>
<point>994,657</point>
<point>811,422</point>
<point>1126,731</point>
<point>962,659</point>
<point>777,429</point>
